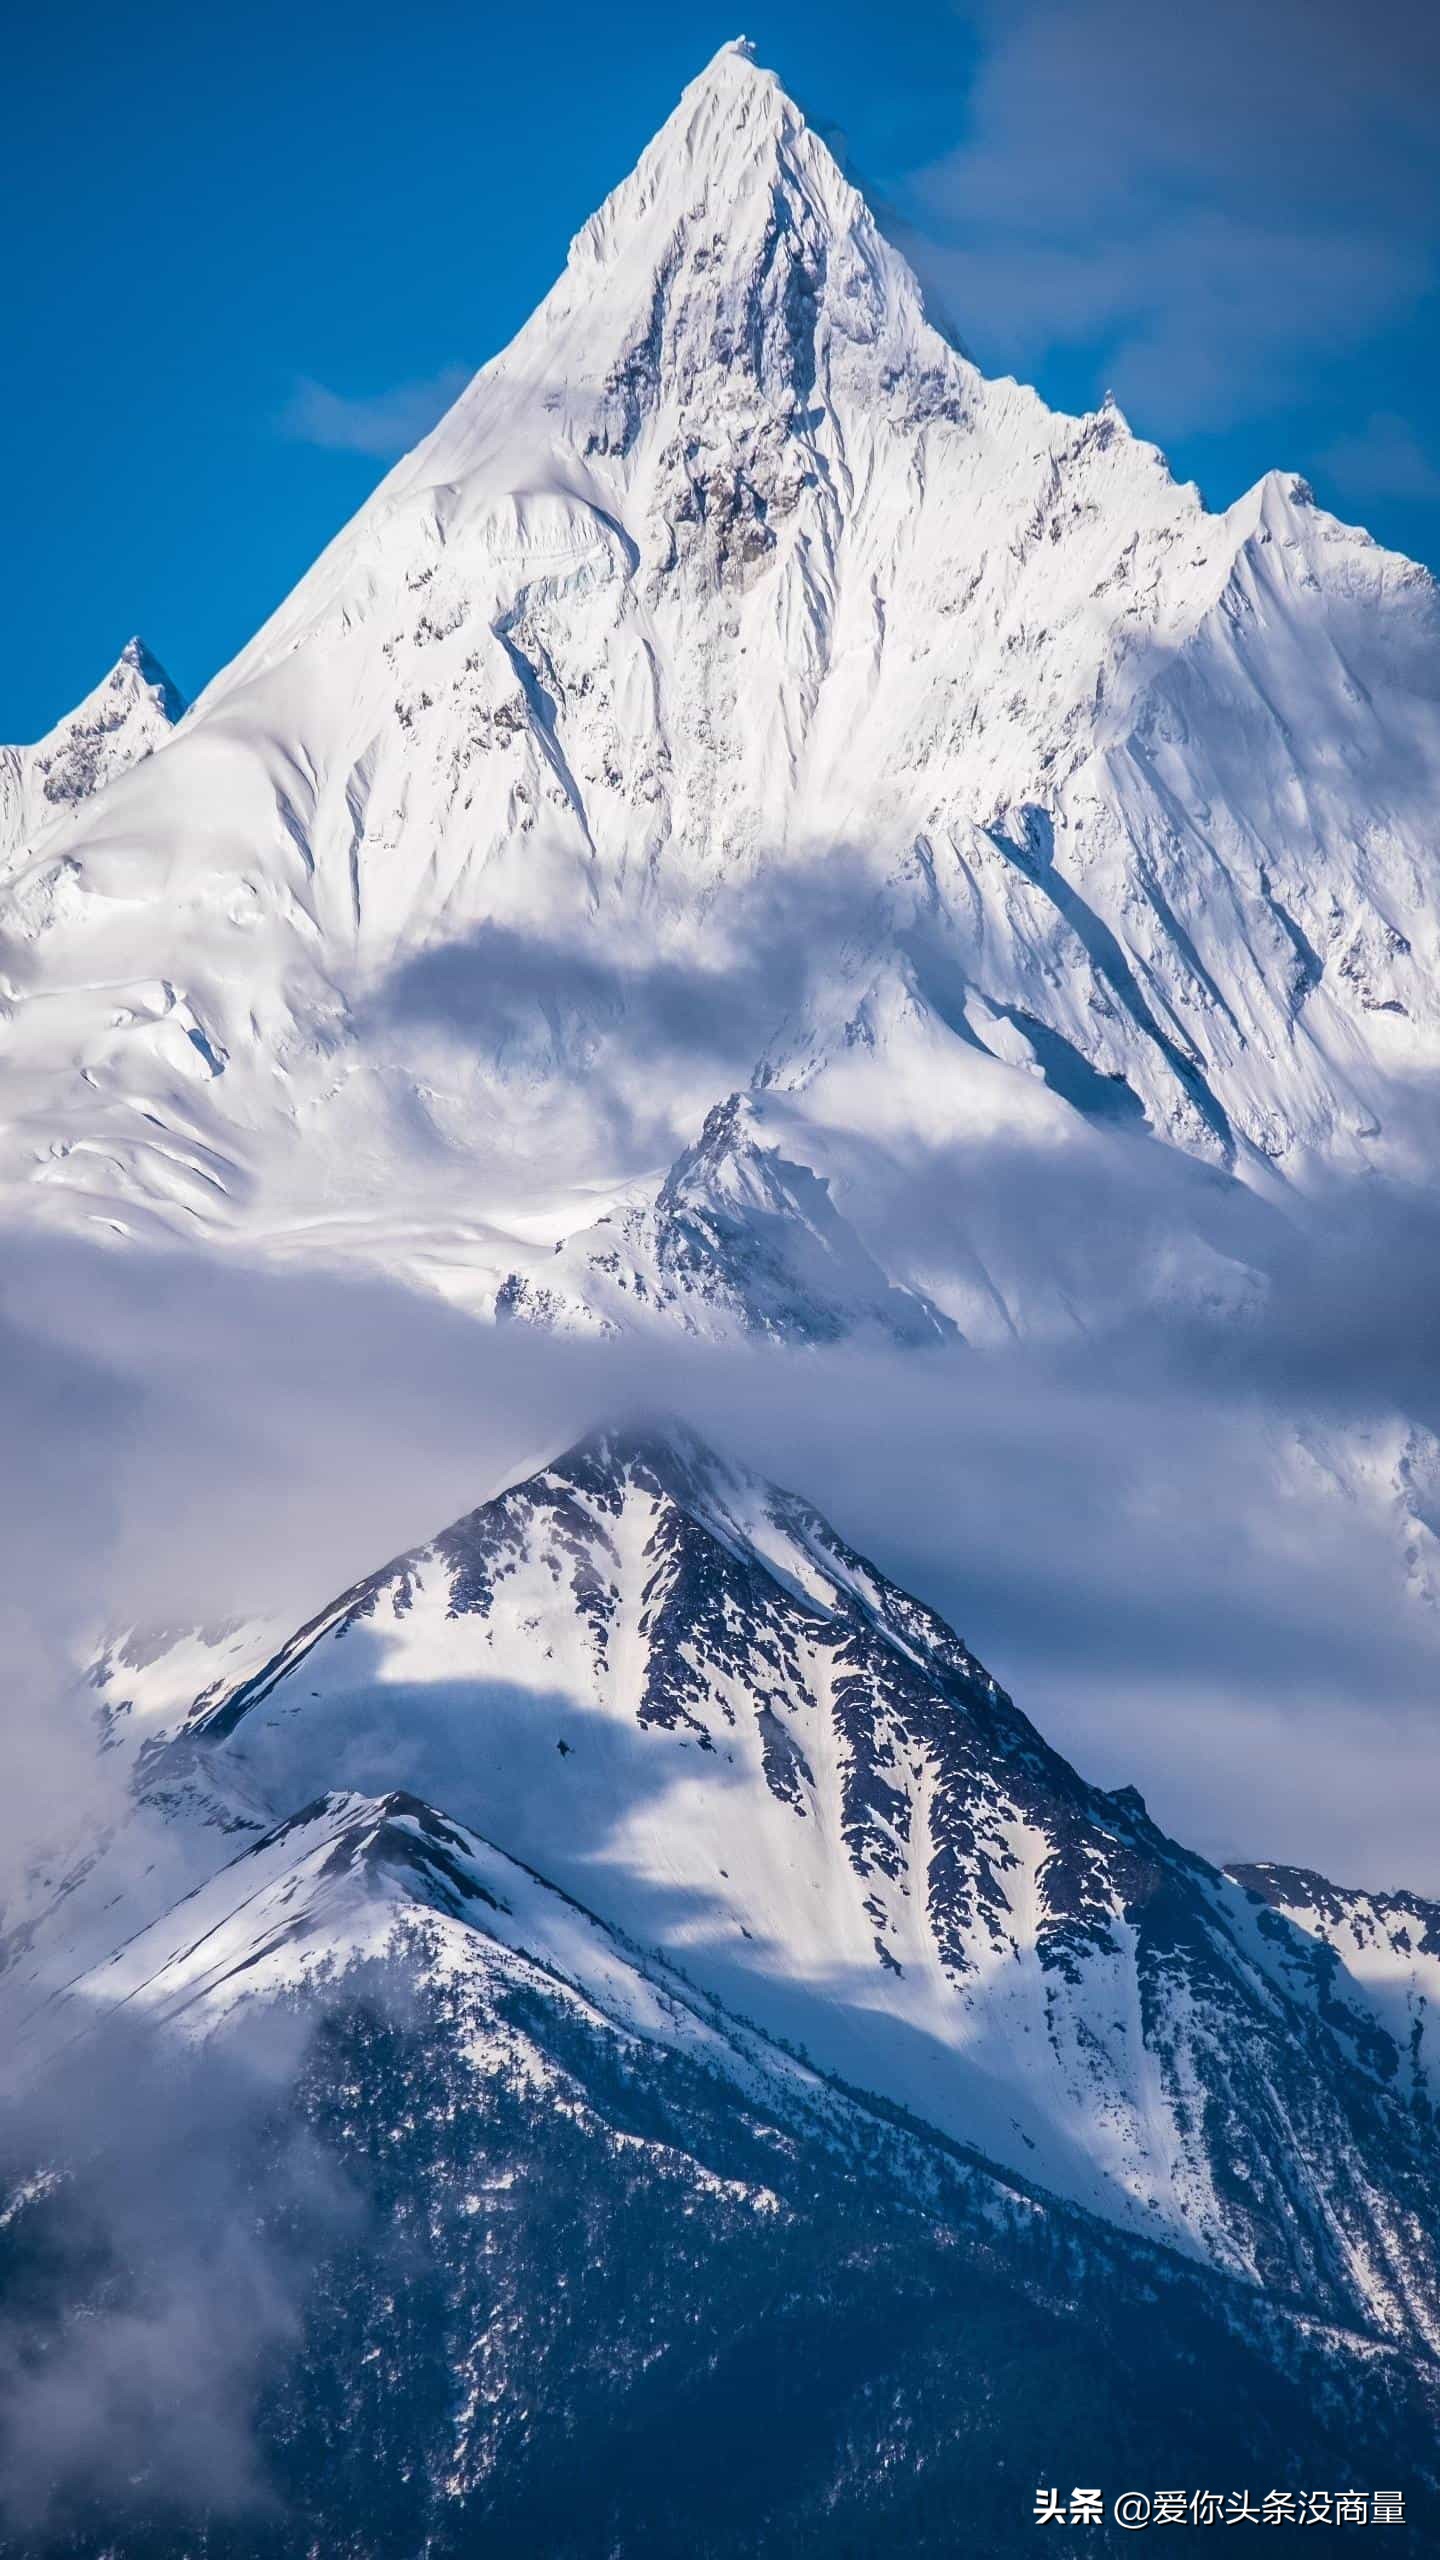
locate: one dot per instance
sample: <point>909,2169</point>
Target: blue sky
<point>256,245</point>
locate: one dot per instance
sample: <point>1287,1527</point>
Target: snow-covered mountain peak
<point>725,601</point>
<point>728,127</point>
<point>127,715</point>
<point>742,1236</point>
<point>671,1689</point>
<point>657,1445</point>
<point>735,137</point>
<point>123,717</point>
<point>732,294</point>
<point>139,659</point>
<point>653,1455</point>
<point>663,1467</point>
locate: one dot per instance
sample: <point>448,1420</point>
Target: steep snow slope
<point>127,716</point>
<point>564,2256</point>
<point>741,1238</point>
<point>736,688</point>
<point>331,1885</point>
<point>1369,1961</point>
<point>672,1690</point>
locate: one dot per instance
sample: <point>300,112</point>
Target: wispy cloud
<point>384,423</point>
<point>1143,1532</point>
<point>1386,458</point>
<point>151,2300</point>
<point>1217,206</point>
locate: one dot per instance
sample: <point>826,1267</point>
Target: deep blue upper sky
<point>253,241</point>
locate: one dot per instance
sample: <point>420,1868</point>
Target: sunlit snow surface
<point>744,773</point>
<point>44,789</point>
<point>672,1692</point>
<point>737,690</point>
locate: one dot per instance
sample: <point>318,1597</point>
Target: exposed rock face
<point>744,771</point>
<point>737,692</point>
<point>672,1690</point>
<point>124,720</point>
<point>585,2264</point>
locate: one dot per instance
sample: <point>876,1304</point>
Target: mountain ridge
<point>730,572</point>
<point>122,720</point>
<point>459,2085</point>
<point>670,1689</point>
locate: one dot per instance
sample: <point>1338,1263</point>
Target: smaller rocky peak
<point>742,1222</point>
<point>1129,1800</point>
<point>127,716</point>
<point>132,711</point>
<point>656,1452</point>
<point>137,665</point>
<point>729,1129</point>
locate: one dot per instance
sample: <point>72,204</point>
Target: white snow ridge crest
<point>732,632</point>
<point>748,815</point>
<point>671,1690</point>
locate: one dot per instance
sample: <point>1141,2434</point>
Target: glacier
<point>755,835</point>
<point>737,692</point>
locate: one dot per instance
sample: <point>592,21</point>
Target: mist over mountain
<point>770,879</point>
<point>764,699</point>
<point>799,1923</point>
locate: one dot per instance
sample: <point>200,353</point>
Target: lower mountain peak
<point>743,1237</point>
<point>128,715</point>
<point>350,1884</point>
<point>669,1687</point>
<point>517,2194</point>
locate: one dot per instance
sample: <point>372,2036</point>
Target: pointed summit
<point>137,661</point>
<point>731,331</point>
<point>737,185</point>
<point>130,711</point>
<point>672,1689</point>
<point>726,129</point>
<point>128,714</point>
<point>735,268</point>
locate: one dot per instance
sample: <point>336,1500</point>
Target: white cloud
<point>1384,459</point>
<point>1221,202</point>
<point>384,424</point>
<point>1122,1528</point>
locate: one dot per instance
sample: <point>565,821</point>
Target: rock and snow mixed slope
<point>125,719</point>
<point>738,690</point>
<point>586,2264</point>
<point>741,1238</point>
<point>329,1887</point>
<point>743,770</point>
<point>673,1692</point>
<point>1371,1962</point>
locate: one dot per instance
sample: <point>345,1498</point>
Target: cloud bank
<point>1185,1587</point>
<point>152,2282</point>
<point>1195,1549</point>
<point>1228,202</point>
